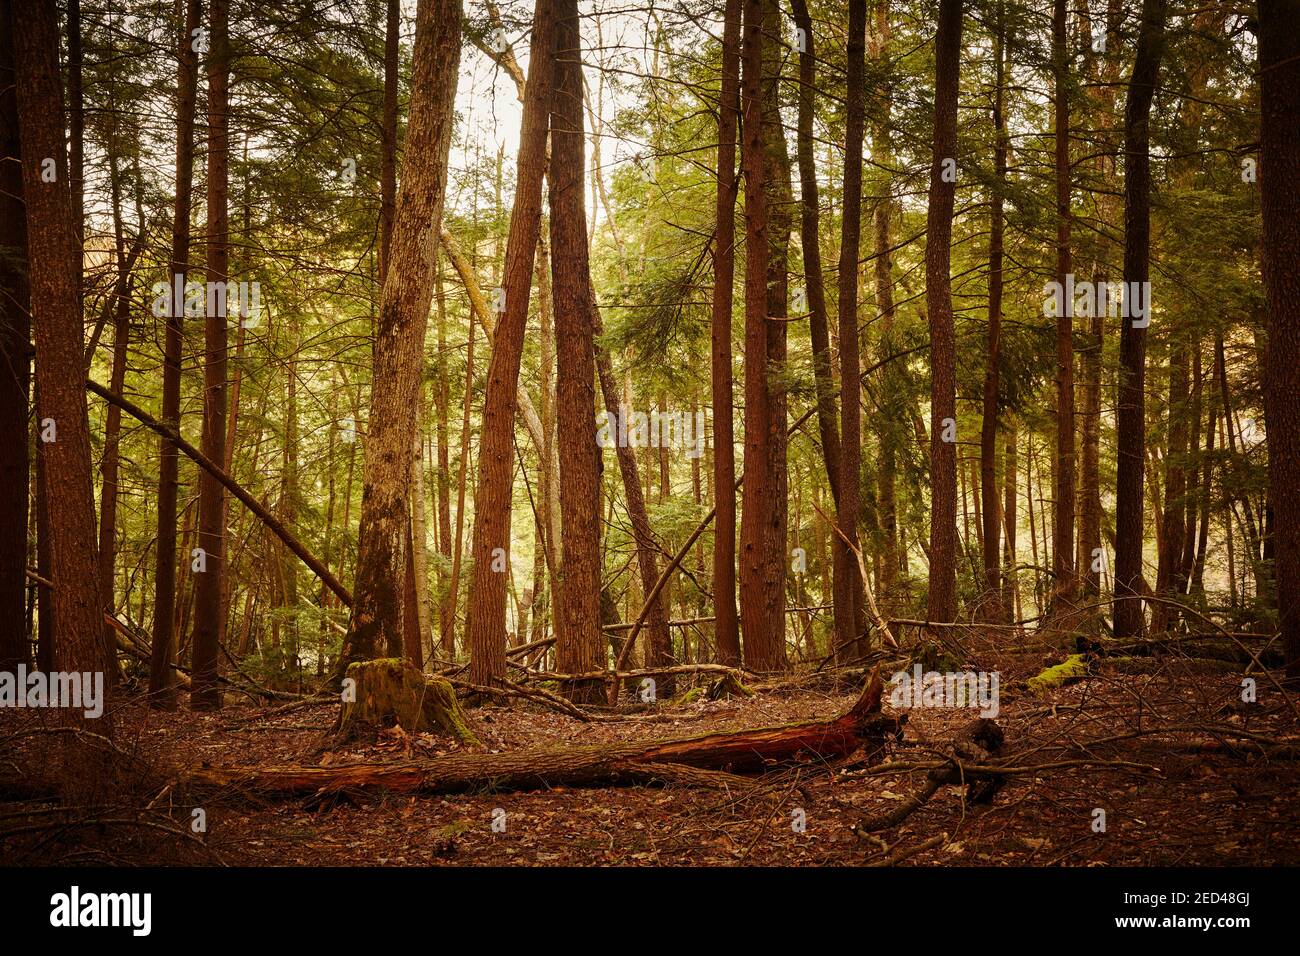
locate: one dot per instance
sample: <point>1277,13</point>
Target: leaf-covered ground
<point>1185,772</point>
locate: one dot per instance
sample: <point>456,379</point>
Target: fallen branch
<point>271,521</point>
<point>737,751</point>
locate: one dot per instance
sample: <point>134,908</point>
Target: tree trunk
<point>486,618</point>
<point>753,750</point>
<point>1131,403</point>
<point>894,559</point>
<point>810,216</point>
<point>1279,158</point>
<point>845,581</point>
<point>941,602</point>
<point>1064,579</point>
<point>726,629</point>
<point>205,688</point>
<point>162,690</point>
<point>581,645</point>
<point>993,607</point>
<point>15,366</point>
<point>377,612</point>
<point>52,254</point>
<point>764,650</point>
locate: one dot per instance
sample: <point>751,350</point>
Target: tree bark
<point>1279,158</point>
<point>580,645</point>
<point>15,365</point>
<point>753,750</point>
<point>52,254</point>
<point>1131,404</point>
<point>845,581</point>
<point>1064,574</point>
<point>764,650</point>
<point>726,629</point>
<point>162,690</point>
<point>993,606</point>
<point>486,618</point>
<point>941,602</point>
<point>205,687</point>
<point>377,611</point>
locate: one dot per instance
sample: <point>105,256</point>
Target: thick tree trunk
<point>377,611</point>
<point>580,645</point>
<point>1131,403</point>
<point>52,255</point>
<point>1279,158</point>
<point>15,365</point>
<point>942,596</point>
<point>780,205</point>
<point>486,619</point>
<point>764,648</point>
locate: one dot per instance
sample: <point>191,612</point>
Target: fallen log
<point>729,752</point>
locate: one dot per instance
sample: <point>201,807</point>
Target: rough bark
<point>754,750</point>
<point>1131,403</point>
<point>992,607</point>
<point>205,688</point>
<point>1279,158</point>
<point>763,648</point>
<point>580,645</point>
<point>15,365</point>
<point>377,611</point>
<point>486,618</point>
<point>52,254</point>
<point>942,595</point>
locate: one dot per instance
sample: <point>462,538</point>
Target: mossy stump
<point>389,690</point>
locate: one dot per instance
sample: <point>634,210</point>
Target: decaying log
<point>733,752</point>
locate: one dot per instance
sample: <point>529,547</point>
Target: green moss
<point>1073,668</point>
<point>391,691</point>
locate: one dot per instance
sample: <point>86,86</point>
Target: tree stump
<point>389,691</point>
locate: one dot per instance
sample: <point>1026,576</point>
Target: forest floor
<point>1151,750</point>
